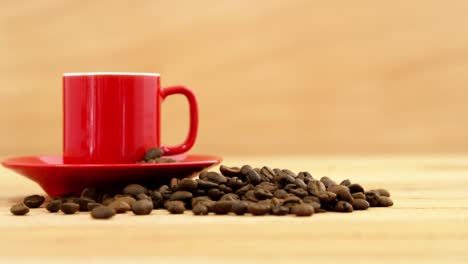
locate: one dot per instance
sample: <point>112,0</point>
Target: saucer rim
<point>13,162</point>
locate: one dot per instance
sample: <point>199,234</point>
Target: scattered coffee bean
<point>346,182</point>
<point>258,209</point>
<point>175,207</point>
<point>229,171</point>
<point>343,206</point>
<point>383,192</point>
<point>69,208</point>
<point>262,194</point>
<point>280,194</point>
<point>355,188</point>
<point>239,208</point>
<point>142,207</point>
<point>83,203</point>
<point>54,205</point>
<point>33,201</point>
<point>183,196</point>
<point>230,197</point>
<point>187,185</point>
<point>134,189</point>
<point>153,153</point>
<point>102,212</point>
<point>327,181</point>
<point>127,199</point>
<point>92,205</point>
<point>360,204</point>
<point>157,199</point>
<point>200,209</point>
<point>372,197</point>
<point>342,193</point>
<point>223,207</point>
<point>302,210</point>
<point>142,196</point>
<point>19,209</point>
<point>90,193</point>
<point>120,207</point>
<point>384,201</point>
<point>359,195</point>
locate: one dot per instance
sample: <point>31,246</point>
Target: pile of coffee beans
<point>233,190</point>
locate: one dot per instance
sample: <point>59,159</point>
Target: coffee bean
<point>223,207</point>
<point>239,208</point>
<point>203,184</point>
<point>327,197</point>
<point>267,172</point>
<point>300,183</point>
<point>291,201</point>
<point>102,212</point>
<point>342,193</point>
<point>200,209</point>
<point>215,194</point>
<point>346,182</point>
<point>187,185</point>
<point>230,197</point>
<point>284,179</point>
<point>224,188</point>
<point>310,199</point>
<point>127,199</point>
<point>281,194</point>
<point>216,177</point>
<point>384,201</point>
<point>250,196</point>
<point>54,205</point>
<point>258,209</point>
<point>153,153</point>
<point>290,173</point>
<point>327,181</point>
<point>120,207</point>
<point>90,193</point>
<point>372,197</point>
<point>69,208</point>
<point>143,196</point>
<point>92,205</point>
<point>83,203</point>
<point>253,177</point>
<point>360,204</point>
<point>355,187</point>
<point>175,207</point>
<point>383,192</point>
<point>162,160</point>
<point>183,196</point>
<point>359,195</point>
<point>315,187</point>
<point>245,169</point>
<point>269,186</point>
<point>134,189</point>
<point>157,199</point>
<point>33,201</point>
<point>142,207</point>
<point>343,206</point>
<point>19,209</point>
<point>262,194</point>
<point>235,183</point>
<point>242,191</point>
<point>173,183</point>
<point>305,176</point>
<point>299,192</point>
<point>279,210</point>
<point>198,199</point>
<point>229,171</point>
<point>302,210</point>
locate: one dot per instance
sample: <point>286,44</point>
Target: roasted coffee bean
<point>327,197</point>
<point>128,199</point>
<point>183,196</point>
<point>90,193</point>
<point>54,205</point>
<point>153,153</point>
<point>229,171</point>
<point>230,197</point>
<point>163,188</point>
<point>83,203</point>
<point>198,199</point>
<point>200,209</point>
<point>315,187</point>
<point>279,210</point>
<point>346,182</point>
<point>258,209</point>
<point>92,205</point>
<point>291,201</point>
<point>224,188</point>
<point>290,173</point>
<point>372,197</point>
<point>309,199</point>
<point>245,169</point>
<point>384,201</point>
<point>250,196</point>
<point>223,207</point>
<point>206,185</point>
<point>383,192</point>
<point>173,183</point>
<point>235,183</point>
<point>262,194</point>
<point>120,207</point>
<point>102,212</point>
<point>299,192</point>
<point>253,177</point>
<point>305,176</point>
<point>302,210</point>
<point>359,195</point>
<point>327,181</point>
<point>267,172</point>
<point>289,187</point>
<point>200,192</point>
<point>343,206</point>
<point>355,188</point>
<point>215,194</point>
<point>300,183</point>
<point>175,207</point>
<point>165,160</point>
<point>360,204</point>
<point>69,208</point>
<point>242,191</point>
<point>33,201</point>
<point>281,194</point>
<point>342,193</point>
<point>157,199</point>
<point>187,185</point>
<point>216,177</point>
<point>19,209</point>
<point>143,196</point>
<point>269,186</point>
<point>134,189</point>
<point>239,208</point>
<point>284,179</point>
<point>142,207</point>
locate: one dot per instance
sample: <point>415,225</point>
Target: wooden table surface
<point>427,224</point>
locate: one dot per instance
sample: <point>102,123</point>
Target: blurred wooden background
<point>272,77</point>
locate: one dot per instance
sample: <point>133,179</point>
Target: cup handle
<point>193,128</point>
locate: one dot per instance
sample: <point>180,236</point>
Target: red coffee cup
<point>116,117</point>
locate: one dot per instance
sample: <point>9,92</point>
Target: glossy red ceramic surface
<point>58,178</point>
<point>115,118</point>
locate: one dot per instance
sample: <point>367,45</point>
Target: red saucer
<point>58,178</point>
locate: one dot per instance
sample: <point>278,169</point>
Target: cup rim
<point>67,74</point>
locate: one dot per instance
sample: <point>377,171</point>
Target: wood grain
<point>349,77</point>
<point>428,223</point>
